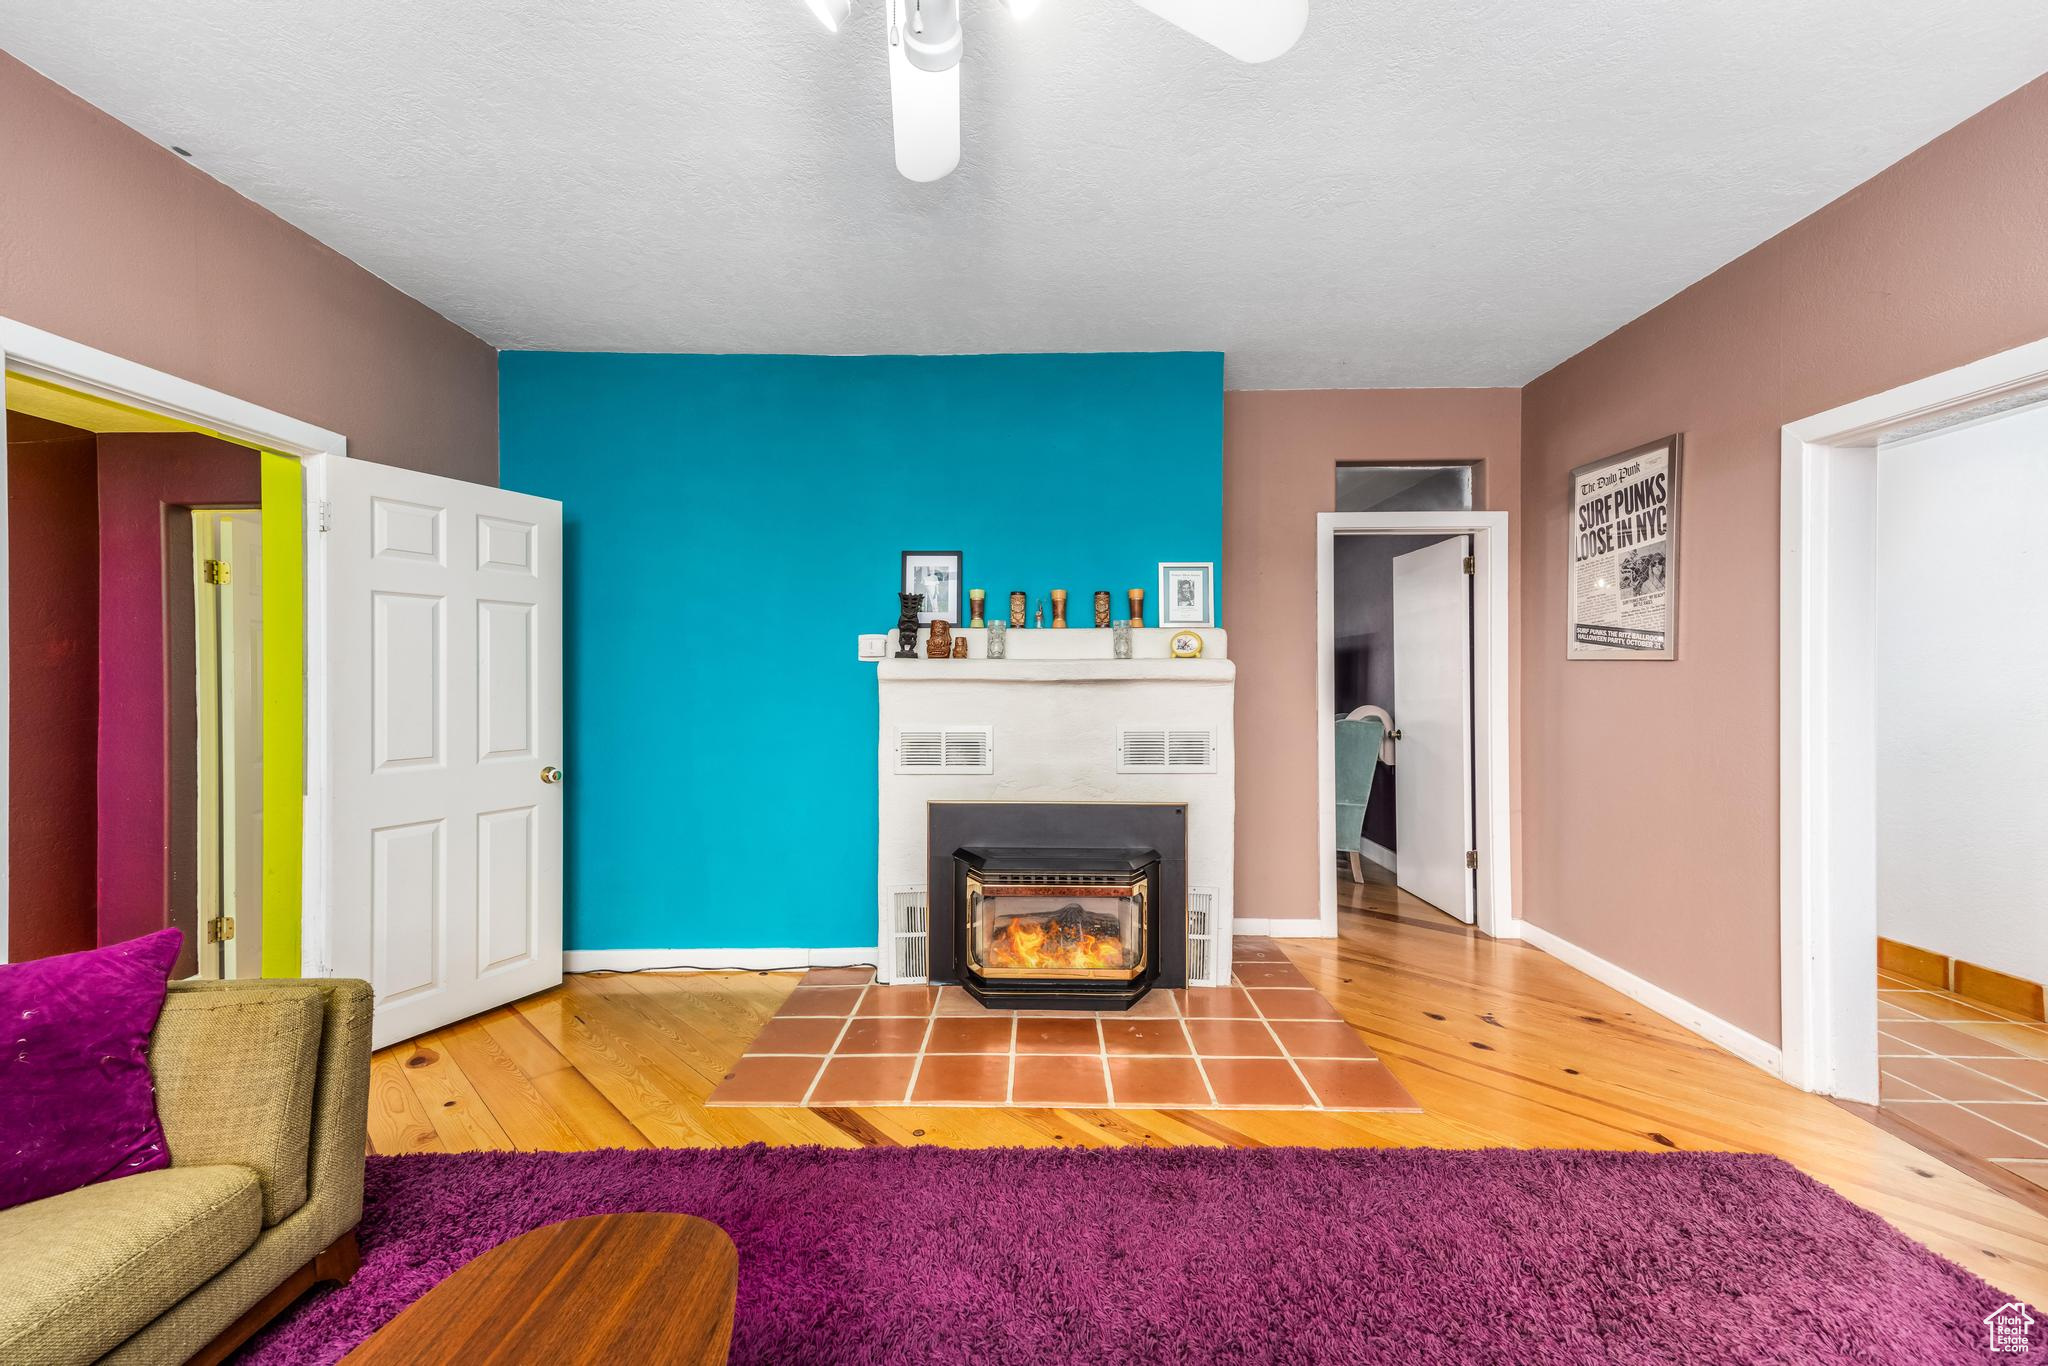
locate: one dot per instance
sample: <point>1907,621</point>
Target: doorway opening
<point>1860,757</point>
<point>1962,747</point>
<point>1422,682</point>
<point>1404,757</point>
<point>430,861</point>
<point>102,680</point>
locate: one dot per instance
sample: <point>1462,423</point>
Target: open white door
<point>445,646</point>
<point>1433,712</point>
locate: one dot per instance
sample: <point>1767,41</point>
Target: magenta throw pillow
<point>76,1101</point>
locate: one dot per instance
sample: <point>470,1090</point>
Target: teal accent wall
<point>734,522</point>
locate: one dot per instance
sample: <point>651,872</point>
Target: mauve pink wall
<point>1651,830</point>
<point>1281,449</point>
<point>144,479</point>
<point>111,240</point>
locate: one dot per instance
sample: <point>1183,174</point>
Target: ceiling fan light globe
<point>833,14</point>
<point>924,106</point>
<point>936,41</point>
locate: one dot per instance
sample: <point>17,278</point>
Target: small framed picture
<point>1187,595</point>
<point>936,575</point>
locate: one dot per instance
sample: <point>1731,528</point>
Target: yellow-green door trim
<point>284,712</point>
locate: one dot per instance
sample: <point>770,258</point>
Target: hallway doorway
<point>1404,760</point>
<point>1455,574</point>
<point>1829,724</point>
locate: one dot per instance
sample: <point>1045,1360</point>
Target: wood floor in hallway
<point>1501,1044</point>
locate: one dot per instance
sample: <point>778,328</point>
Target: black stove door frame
<point>951,826</point>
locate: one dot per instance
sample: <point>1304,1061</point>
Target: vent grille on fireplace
<point>1158,750</point>
<point>909,947</point>
<point>1202,953</point>
<point>1056,879</point>
<point>952,749</point>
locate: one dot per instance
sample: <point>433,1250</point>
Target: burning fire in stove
<point>1070,937</point>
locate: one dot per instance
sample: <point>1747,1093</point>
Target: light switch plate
<point>874,647</point>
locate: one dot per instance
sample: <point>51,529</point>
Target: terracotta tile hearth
<point>1270,1042</point>
<point>1970,1075</point>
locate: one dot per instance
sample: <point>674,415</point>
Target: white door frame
<point>1827,747</point>
<point>32,352</point>
<point>1489,533</point>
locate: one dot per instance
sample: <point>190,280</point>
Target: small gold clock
<point>1186,645</point>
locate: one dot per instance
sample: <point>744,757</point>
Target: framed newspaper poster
<point>1623,596</point>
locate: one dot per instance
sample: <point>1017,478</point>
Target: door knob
<point>551,774</point>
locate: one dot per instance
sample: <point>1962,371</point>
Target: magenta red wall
<point>53,661</point>
<point>92,522</point>
<point>144,480</point>
<point>1281,449</point>
<point>1651,828</point>
<point>113,241</point>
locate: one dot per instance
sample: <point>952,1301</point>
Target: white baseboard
<point>710,960</point>
<point>1304,927</point>
<point>1676,1009</point>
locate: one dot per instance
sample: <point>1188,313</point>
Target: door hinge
<point>215,571</point>
<point>1471,858</point>
<point>326,510</point>
<point>220,929</point>
<point>1471,565</point>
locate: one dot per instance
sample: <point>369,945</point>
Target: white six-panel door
<point>1433,812</point>
<point>445,711</point>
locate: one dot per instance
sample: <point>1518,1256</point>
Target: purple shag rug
<point>1134,1255</point>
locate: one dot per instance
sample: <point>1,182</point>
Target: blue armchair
<point>1358,756</point>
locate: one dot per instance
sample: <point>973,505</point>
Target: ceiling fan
<point>927,41</point>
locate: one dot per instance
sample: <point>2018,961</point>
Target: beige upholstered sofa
<point>263,1090</point>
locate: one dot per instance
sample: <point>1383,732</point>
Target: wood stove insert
<point>1050,914</point>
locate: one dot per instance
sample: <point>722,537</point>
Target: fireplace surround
<point>1058,905</point>
<point>1057,722</point>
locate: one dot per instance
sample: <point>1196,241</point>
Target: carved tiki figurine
<point>906,624</point>
<point>940,646</point>
<point>959,647</point>
<point>1101,609</point>
<point>1020,603</point>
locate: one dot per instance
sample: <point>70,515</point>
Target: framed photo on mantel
<point>1187,595</point>
<point>936,575</point>
<point>1622,581</point>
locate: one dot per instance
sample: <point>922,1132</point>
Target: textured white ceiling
<point>1425,192</point>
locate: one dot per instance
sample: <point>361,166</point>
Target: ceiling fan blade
<point>926,111</point>
<point>1249,30</point>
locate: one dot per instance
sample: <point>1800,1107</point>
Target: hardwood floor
<point>1501,1044</point>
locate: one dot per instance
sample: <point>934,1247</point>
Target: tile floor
<point>1270,1042</point>
<point>1969,1074</point>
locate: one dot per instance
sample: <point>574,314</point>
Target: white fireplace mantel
<point>1054,714</point>
<point>1057,671</point>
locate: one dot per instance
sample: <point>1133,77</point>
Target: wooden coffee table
<point>610,1288</point>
